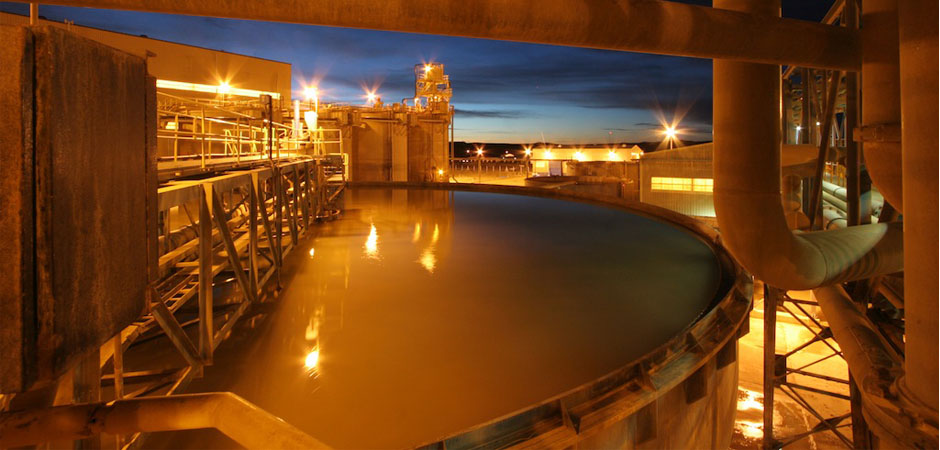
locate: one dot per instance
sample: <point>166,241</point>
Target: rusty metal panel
<point>86,187</point>
<point>17,332</point>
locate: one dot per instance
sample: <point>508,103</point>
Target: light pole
<point>528,158</point>
<point>479,164</point>
<point>313,98</point>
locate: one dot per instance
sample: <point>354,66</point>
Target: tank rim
<point>626,390</point>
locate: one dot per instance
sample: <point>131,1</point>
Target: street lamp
<point>670,133</point>
<point>312,95</point>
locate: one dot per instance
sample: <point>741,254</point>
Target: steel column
<point>918,76</point>
<point>770,357</point>
<point>253,233</point>
<point>206,329</point>
<point>881,88</point>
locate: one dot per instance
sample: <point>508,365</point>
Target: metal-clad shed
<point>679,179</point>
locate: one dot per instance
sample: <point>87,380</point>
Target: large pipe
<point>875,369</point>
<point>918,37</point>
<point>871,364</point>
<point>881,105</point>
<point>648,26</point>
<point>243,422</point>
<point>747,173</point>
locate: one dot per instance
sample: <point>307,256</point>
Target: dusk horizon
<point>504,92</point>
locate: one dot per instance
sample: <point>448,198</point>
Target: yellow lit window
<point>671,184</point>
<point>681,184</point>
<point>702,184</point>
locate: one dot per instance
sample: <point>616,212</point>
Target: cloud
<point>578,92</point>
<point>488,114</point>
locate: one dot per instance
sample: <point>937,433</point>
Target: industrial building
<point>201,248</point>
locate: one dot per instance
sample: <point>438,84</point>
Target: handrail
<point>232,415</point>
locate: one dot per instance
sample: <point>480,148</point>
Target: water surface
<point>420,313</point>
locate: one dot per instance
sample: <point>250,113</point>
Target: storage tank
<point>440,318</point>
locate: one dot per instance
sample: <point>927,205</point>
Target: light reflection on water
<point>479,305</point>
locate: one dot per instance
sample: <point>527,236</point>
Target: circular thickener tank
<point>437,318</point>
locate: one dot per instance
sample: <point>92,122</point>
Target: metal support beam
<point>243,422</point>
<point>206,328</point>
<point>174,332</point>
<point>629,25</point>
<point>253,233</point>
<point>827,120</point>
<point>770,358</point>
<point>118,358</point>
<point>233,258</point>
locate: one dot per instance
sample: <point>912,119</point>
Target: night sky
<point>503,91</point>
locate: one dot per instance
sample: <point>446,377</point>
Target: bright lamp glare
<point>311,93</point>
<point>310,362</point>
<point>670,132</point>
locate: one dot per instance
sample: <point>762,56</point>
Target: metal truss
<point>247,222</point>
<point>777,371</point>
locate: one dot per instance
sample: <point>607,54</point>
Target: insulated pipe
<point>834,189</point>
<point>871,364</point>
<point>875,368</point>
<point>243,422</point>
<point>918,36</point>
<point>747,173</point>
<point>648,26</point>
<point>881,88</point>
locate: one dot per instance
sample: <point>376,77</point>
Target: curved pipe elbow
<point>754,229</point>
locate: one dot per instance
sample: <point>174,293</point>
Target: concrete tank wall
<point>391,144</point>
<point>79,128</point>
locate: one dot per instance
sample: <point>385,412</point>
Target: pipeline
<point>626,25</point>
<point>877,371</point>
<point>747,193</point>
<point>238,419</point>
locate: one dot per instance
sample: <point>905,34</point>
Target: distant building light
<point>210,89</point>
<point>170,126</point>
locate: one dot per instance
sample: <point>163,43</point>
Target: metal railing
<point>193,134</point>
